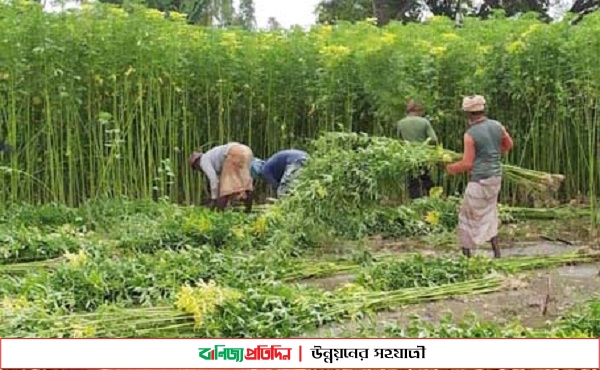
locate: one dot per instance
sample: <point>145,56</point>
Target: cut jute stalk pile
<point>529,179</point>
<point>506,264</point>
<point>563,213</point>
<point>411,156</point>
<point>194,305</point>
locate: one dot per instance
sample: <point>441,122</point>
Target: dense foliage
<point>110,101</point>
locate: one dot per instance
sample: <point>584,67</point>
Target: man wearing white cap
<point>484,143</point>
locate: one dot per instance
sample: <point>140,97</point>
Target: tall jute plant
<point>109,102</point>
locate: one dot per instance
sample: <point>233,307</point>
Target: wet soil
<point>573,231</point>
<point>538,297</point>
<point>546,295</point>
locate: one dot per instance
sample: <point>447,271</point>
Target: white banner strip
<point>298,353</point>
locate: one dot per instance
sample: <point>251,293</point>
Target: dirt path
<point>565,286</point>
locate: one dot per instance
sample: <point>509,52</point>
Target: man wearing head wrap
<point>280,169</point>
<point>227,168</point>
<point>485,142</point>
<point>417,129</point>
<point>256,166</point>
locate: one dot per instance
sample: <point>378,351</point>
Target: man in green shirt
<point>415,128</point>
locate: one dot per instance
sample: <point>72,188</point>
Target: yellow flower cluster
<point>178,17</point>
<point>334,53</point>
<point>515,47</point>
<point>438,19</point>
<point>229,39</point>
<point>154,14</point>
<point>259,227</point>
<point>78,331</point>
<point>320,190</point>
<point>202,224</point>
<point>425,44</point>
<point>450,36</point>
<point>520,45</point>
<point>14,304</point>
<point>438,51</point>
<point>432,218</point>
<point>116,11</point>
<point>351,288</point>
<point>436,192</point>
<point>484,49</point>
<point>239,232</point>
<point>76,260</point>
<point>202,300</point>
<point>531,30</point>
<point>388,38</point>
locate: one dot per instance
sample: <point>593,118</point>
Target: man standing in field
<point>484,143</point>
<point>279,170</point>
<point>227,168</point>
<point>417,129</point>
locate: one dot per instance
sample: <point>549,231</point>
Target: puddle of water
<point>579,271</point>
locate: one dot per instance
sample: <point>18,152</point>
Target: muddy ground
<point>538,297</point>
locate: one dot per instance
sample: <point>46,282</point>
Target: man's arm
<point>213,178</point>
<point>268,176</point>
<point>433,139</point>
<point>507,141</point>
<point>399,130</point>
<point>466,163</point>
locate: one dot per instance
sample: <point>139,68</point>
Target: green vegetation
<point>199,273</point>
<point>110,101</point>
<point>140,268</point>
<point>106,103</point>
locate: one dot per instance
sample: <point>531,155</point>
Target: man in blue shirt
<point>280,169</point>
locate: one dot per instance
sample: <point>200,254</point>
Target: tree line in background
<point>332,11</point>
<point>223,13</point>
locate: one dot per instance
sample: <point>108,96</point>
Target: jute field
<point>99,238</point>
